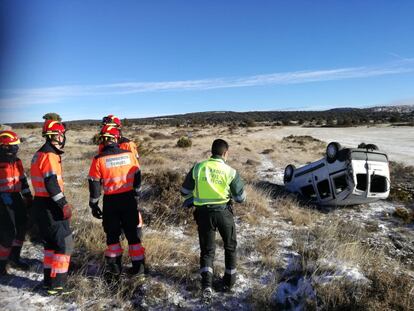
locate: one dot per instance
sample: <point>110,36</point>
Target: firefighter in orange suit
<point>51,210</point>
<point>118,172</point>
<point>15,199</point>
<point>125,144</point>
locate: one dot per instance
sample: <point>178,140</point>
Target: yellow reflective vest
<point>212,182</point>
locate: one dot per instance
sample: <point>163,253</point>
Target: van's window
<point>362,182</point>
<point>340,183</point>
<point>324,189</point>
<point>308,192</point>
<point>378,183</point>
<point>376,157</point>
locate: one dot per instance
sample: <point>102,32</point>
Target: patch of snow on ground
<point>267,171</point>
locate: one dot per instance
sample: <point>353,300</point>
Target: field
<point>290,255</point>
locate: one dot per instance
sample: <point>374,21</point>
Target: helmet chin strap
<point>61,144</point>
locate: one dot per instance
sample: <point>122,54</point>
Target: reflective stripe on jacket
<point>12,177</point>
<point>116,172</point>
<point>212,182</point>
<point>44,165</point>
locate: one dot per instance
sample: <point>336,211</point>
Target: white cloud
<point>57,94</point>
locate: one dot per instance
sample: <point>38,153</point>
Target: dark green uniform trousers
<point>209,219</point>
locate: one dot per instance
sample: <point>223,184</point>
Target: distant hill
<point>332,117</point>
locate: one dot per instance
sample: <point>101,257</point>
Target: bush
<point>30,126</point>
<point>184,142</point>
<point>52,116</point>
<point>95,139</point>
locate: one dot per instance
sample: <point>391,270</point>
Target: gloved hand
<point>67,211</point>
<point>96,211</point>
<point>188,203</point>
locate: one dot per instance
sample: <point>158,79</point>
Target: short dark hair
<point>219,147</point>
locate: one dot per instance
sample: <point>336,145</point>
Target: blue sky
<point>84,59</point>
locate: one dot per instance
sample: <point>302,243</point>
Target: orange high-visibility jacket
<point>115,169</point>
<point>12,177</point>
<point>46,173</point>
<point>124,144</point>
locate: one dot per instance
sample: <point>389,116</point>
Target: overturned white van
<point>345,176</point>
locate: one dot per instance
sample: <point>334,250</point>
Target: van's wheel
<point>371,147</point>
<point>332,151</point>
<point>288,173</point>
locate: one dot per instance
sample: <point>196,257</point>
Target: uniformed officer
<point>210,186</point>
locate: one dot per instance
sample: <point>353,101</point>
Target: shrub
<point>95,139</point>
<point>30,126</point>
<point>184,142</point>
<point>52,116</point>
<point>159,135</point>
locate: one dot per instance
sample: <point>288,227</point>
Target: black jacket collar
<point>48,147</point>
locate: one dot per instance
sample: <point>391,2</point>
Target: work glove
<point>188,203</point>
<point>67,211</point>
<point>96,211</point>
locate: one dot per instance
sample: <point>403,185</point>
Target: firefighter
<point>125,144</point>
<point>118,172</point>
<point>15,200</point>
<point>210,186</point>
<point>51,211</point>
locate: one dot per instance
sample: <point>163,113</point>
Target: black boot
<point>16,261</point>
<point>3,270</point>
<point>58,285</point>
<point>228,281</point>
<point>118,262</point>
<point>47,280</point>
<point>206,279</point>
<point>112,270</point>
<point>138,267</point>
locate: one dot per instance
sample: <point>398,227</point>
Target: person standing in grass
<point>118,172</point>
<point>15,200</point>
<point>51,210</point>
<point>124,144</point>
<point>210,186</point>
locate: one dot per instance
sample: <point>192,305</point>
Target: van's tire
<point>332,151</point>
<point>289,170</point>
<point>371,147</point>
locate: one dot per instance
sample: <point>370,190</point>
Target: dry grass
<point>290,210</point>
<point>173,257</point>
<point>405,214</point>
<point>336,243</point>
<point>262,295</point>
<point>268,246</point>
<point>256,206</point>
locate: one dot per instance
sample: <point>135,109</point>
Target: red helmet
<point>112,120</point>
<point>9,138</point>
<point>51,127</point>
<point>109,131</point>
